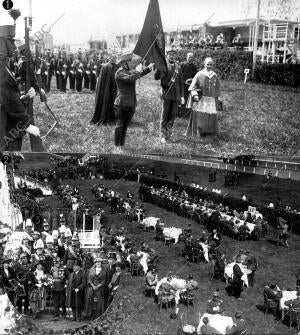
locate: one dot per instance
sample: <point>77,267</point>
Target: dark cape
<point>106,92</point>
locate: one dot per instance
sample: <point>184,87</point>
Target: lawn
<point>257,119</point>
<point>133,313</point>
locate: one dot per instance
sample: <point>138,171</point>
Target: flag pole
<point>151,45</point>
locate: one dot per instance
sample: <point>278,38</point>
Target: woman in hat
<point>37,298</point>
<point>204,98</point>
<point>98,280</point>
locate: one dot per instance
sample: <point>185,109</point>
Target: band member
<point>75,290</point>
<point>106,92</point>
<point>13,117</point>
<point>125,101</point>
<point>172,94</point>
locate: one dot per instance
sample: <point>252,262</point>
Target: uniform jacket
<point>177,90</point>
<point>12,110</point>
<point>125,80</point>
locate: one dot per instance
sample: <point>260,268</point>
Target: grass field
<point>256,119</point>
<point>133,313</point>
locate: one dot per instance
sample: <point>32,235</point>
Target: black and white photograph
<point>150,167</point>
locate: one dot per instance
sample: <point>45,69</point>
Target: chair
<point>164,299</point>
<point>188,298</point>
<point>135,269</point>
<point>149,291</point>
<point>294,315</point>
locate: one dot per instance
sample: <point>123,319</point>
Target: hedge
<point>270,214</point>
<point>277,74</point>
<point>230,65</point>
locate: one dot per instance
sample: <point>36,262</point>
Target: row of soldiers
<point>78,72</point>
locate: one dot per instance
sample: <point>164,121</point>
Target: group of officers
<point>52,264</point>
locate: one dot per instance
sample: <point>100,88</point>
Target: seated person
<point>151,279</point>
<point>244,230</point>
<point>215,305</point>
<point>273,293</point>
<point>191,284</point>
<point>239,325</point>
<point>166,289</point>
<point>206,329</point>
<point>294,303</point>
<point>153,258</point>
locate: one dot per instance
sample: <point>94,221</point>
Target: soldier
<point>60,276</point>
<point>26,278</point>
<point>72,73</point>
<point>172,94</point>
<point>125,101</point>
<point>79,77</point>
<point>13,117</point>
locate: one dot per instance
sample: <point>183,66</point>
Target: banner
<point>151,43</point>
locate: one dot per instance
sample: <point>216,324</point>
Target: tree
<point>15,14</point>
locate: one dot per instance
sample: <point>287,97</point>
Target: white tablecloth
<point>286,295</point>
<point>229,272</point>
<point>150,221</point>
<point>172,232</point>
<point>219,322</point>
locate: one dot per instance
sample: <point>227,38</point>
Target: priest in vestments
<point>204,98</point>
<point>106,92</point>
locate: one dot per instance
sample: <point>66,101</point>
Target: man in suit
<point>125,101</point>
<point>13,117</point>
<point>172,94</point>
<point>76,290</point>
<point>189,70</point>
